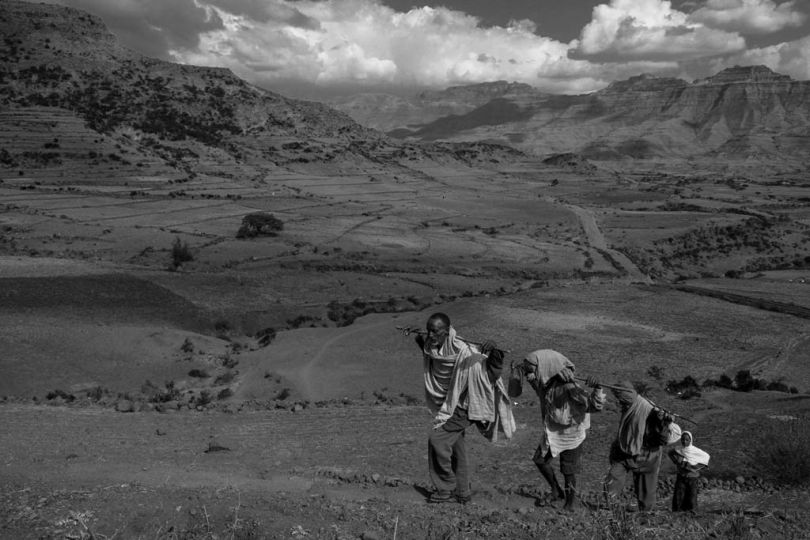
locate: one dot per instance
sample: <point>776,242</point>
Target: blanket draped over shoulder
<point>633,422</point>
<point>439,366</point>
<point>486,401</point>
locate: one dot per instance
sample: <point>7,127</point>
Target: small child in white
<point>690,460</point>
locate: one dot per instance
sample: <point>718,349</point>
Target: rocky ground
<point>339,471</point>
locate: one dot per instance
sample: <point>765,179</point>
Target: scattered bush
<point>265,337</point>
<point>283,394</point>
<point>229,362</point>
<point>780,451</point>
<point>686,388</point>
<point>187,346</point>
<point>225,393</point>
<point>198,373</point>
<point>60,394</point>
<point>225,378</point>
<point>160,395</point>
<point>259,224</point>
<point>656,372</point>
<point>203,399</point>
<point>180,253</point>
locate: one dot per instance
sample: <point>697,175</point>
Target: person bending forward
<point>565,409</point>
<point>643,430</point>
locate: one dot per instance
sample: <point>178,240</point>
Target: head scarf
<point>692,454</point>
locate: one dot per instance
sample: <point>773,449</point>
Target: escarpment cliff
<point>744,111</point>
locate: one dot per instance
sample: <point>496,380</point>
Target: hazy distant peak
<point>489,90</point>
<point>742,74</point>
<point>644,83</point>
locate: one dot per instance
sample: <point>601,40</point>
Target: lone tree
<point>259,224</point>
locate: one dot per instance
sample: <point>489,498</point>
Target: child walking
<point>690,460</point>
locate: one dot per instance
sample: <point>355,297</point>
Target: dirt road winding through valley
<point>596,239</point>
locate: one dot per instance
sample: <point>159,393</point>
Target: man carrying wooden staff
<point>462,388</point>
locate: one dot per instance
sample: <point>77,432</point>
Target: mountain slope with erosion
<point>740,112</point>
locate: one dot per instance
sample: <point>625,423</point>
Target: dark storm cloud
<point>153,27</point>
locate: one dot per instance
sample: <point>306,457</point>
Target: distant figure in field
<point>643,430</point>
<point>690,460</point>
<point>462,388</point>
<point>565,409</point>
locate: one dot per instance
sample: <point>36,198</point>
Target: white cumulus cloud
<point>650,30</point>
<point>748,16</point>
<point>789,58</point>
<point>346,41</point>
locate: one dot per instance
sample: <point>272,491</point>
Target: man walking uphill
<point>462,388</point>
<point>565,409</point>
<point>643,430</point>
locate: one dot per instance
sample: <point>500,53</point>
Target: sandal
<point>440,497</point>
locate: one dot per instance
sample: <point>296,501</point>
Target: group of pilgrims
<point>463,387</point>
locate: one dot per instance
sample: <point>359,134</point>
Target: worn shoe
<point>440,497</point>
<point>464,499</point>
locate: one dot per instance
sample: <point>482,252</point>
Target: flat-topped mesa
<point>746,75</point>
<point>480,92</point>
<point>644,83</point>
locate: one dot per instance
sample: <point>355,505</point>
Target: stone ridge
<point>746,74</point>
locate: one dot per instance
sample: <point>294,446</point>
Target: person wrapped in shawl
<point>462,388</point>
<point>643,430</point>
<point>690,460</point>
<point>565,409</point>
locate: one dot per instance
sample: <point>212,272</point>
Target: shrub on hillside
<point>780,451</point>
<point>180,253</point>
<point>265,337</point>
<point>259,224</point>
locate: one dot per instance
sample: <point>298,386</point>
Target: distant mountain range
<point>740,112</point>
<point>62,65</point>
<point>61,59</point>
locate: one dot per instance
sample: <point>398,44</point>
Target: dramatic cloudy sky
<point>314,48</point>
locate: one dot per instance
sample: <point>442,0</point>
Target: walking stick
<point>613,387</point>
<point>408,330</point>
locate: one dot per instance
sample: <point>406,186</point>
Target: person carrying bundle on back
<point>643,430</point>
<point>565,409</point>
<point>462,388</point>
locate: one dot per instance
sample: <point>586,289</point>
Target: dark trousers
<point>644,467</point>
<point>684,496</point>
<point>447,455</point>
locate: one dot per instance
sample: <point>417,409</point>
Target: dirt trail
<point>310,385</point>
<point>597,240</point>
